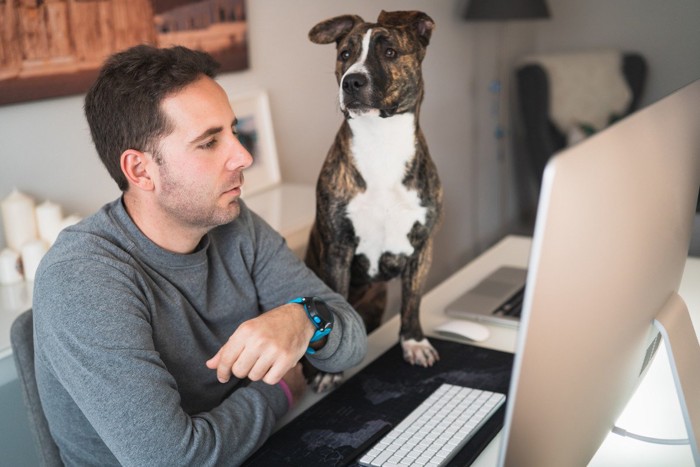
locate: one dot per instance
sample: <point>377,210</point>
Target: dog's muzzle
<point>357,97</point>
<point>355,92</point>
<point>353,84</point>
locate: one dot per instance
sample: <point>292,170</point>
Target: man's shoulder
<point>94,237</point>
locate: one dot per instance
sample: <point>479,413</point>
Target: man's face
<point>199,180</point>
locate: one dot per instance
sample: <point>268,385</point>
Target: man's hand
<point>266,347</point>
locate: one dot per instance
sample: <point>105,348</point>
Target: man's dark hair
<point>123,105</point>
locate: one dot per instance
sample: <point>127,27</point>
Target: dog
<point>378,195</point>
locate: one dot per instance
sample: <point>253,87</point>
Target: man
<point>164,331</point>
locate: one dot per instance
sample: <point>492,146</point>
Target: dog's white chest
<point>385,212</point>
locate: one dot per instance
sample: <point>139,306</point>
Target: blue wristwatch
<point>320,316</point>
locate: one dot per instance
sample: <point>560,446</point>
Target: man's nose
<point>240,157</point>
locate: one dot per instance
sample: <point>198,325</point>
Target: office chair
<point>22,339</point>
<point>542,136</point>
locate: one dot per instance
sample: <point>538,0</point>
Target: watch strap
<point>323,326</point>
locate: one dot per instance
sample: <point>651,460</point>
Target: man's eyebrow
<point>212,131</point>
<point>207,133</point>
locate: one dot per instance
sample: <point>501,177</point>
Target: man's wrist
<point>321,319</point>
<point>309,328</point>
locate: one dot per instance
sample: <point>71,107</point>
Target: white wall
<point>45,148</point>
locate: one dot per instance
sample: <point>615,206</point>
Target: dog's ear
<point>334,29</point>
<point>423,23</point>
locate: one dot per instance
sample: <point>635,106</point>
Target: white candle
<point>32,252</point>
<point>18,219</point>
<point>10,267</point>
<point>48,220</point>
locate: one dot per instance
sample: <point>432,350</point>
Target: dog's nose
<point>354,82</point>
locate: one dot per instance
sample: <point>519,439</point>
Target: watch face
<point>322,310</point>
<point>322,314</point>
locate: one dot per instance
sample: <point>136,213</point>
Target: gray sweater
<point>123,329</point>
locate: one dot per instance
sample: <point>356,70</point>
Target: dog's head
<point>378,65</point>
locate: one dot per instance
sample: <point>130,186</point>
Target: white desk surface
<point>653,410</point>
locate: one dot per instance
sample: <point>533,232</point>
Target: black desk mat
<point>341,426</point>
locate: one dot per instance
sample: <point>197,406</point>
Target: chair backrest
<point>22,339</point>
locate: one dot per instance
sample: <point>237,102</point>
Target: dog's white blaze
<point>358,66</point>
<point>385,212</point>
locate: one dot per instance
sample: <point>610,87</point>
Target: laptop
<point>497,299</point>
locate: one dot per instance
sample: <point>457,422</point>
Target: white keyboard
<point>437,429</point>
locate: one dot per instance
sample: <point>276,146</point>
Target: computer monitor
<point>610,243</point>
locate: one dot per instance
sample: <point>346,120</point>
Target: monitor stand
<point>676,328</point>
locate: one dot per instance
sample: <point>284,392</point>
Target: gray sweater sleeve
<point>116,354</point>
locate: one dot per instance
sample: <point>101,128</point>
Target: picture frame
<point>55,48</point>
<point>256,133</point>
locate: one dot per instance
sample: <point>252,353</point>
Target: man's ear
<point>137,167</point>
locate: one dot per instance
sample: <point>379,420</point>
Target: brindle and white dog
<point>379,199</point>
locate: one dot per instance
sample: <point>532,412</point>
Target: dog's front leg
<point>336,268</point>
<point>417,350</point>
<point>335,272</point>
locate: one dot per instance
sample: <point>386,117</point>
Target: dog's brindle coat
<point>379,199</point>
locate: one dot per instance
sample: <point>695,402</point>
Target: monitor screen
<point>611,239</point>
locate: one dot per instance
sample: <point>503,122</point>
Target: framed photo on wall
<point>55,48</point>
<point>255,133</point>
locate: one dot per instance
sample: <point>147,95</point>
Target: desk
<point>653,410</point>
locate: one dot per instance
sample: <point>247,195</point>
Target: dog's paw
<point>419,352</point>
<point>326,381</point>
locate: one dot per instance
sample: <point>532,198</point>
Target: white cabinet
<point>16,443</point>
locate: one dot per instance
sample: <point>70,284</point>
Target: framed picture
<point>55,48</point>
<point>256,134</point>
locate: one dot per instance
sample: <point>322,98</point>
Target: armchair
<point>548,122</point>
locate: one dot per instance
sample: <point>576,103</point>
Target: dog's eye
<point>390,53</point>
<point>344,55</point>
